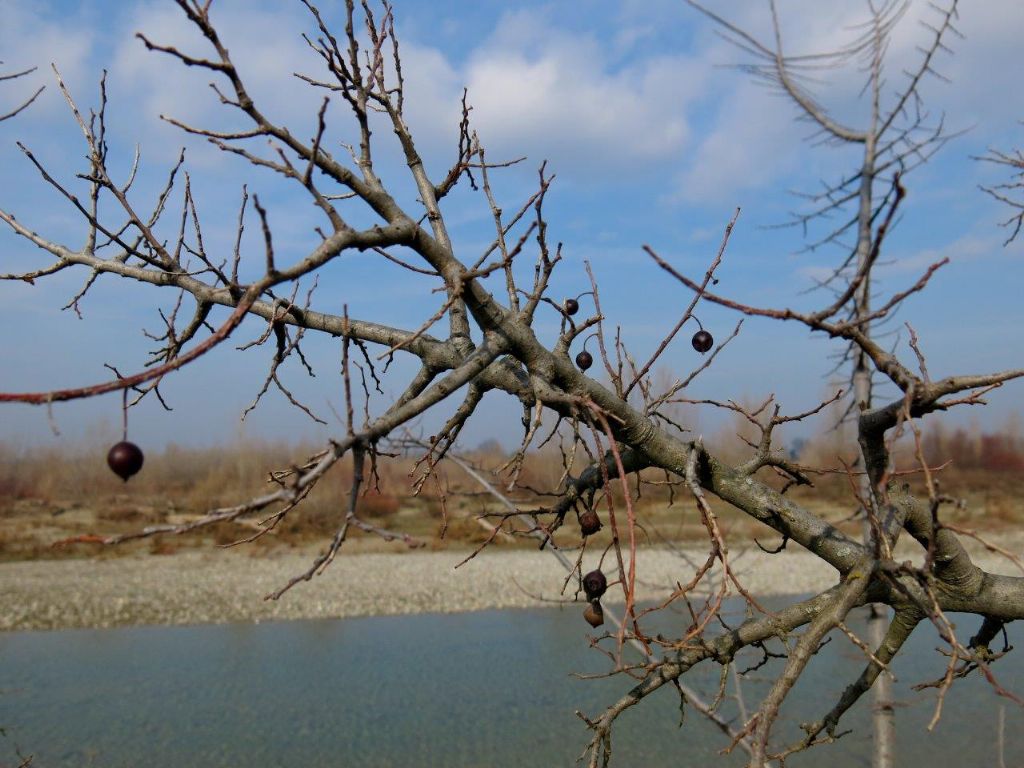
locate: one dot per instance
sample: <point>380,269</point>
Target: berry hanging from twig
<point>702,341</point>
<point>584,359</point>
<point>125,459</point>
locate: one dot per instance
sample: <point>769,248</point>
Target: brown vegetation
<point>47,495</point>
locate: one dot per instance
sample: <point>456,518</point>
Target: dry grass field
<point>48,496</point>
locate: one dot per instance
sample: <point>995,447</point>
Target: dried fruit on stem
<point>595,584</point>
<point>125,459</point>
<point>590,523</point>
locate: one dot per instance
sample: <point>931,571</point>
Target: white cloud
<point>910,264</point>
<point>550,94</point>
<point>985,70</point>
<point>553,92</point>
<point>971,246</point>
<point>753,137</point>
<point>31,38</point>
<point>753,143</point>
<point>433,92</point>
<point>265,46</point>
<point>534,90</point>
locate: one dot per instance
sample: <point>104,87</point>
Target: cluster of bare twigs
<point>608,431</point>
<point>1009,191</point>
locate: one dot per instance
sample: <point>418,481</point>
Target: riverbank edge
<point>216,587</point>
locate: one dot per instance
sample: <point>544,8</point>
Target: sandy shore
<point>220,586</point>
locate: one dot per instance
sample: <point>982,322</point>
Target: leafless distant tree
<point>895,135</point>
<point>488,341</point>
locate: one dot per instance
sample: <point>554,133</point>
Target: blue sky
<point>652,139</point>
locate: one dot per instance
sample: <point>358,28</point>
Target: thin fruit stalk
<point>631,519</point>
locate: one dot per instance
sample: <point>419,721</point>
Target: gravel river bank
<point>230,586</point>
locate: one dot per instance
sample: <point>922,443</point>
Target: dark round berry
<point>571,306</point>
<point>125,459</point>
<point>595,584</point>
<point>584,360</point>
<point>594,614</point>
<point>702,341</point>
<point>590,523</point>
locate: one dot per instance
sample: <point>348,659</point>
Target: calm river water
<point>481,689</point>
